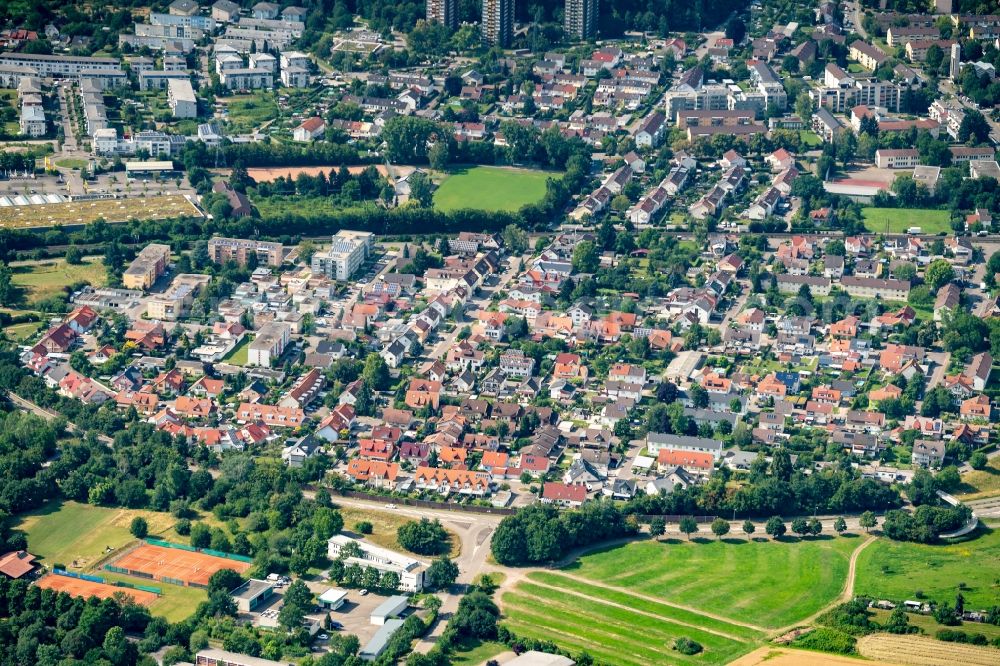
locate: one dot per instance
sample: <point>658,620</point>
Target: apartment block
<point>221,250</point>
<point>270,343</point>
<point>349,251</point>
<point>149,265</point>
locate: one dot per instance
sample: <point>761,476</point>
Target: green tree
<point>297,602</point>
<point>376,372</point>
<point>938,274</point>
<point>74,255</point>
<point>749,528</point>
<point>139,528</point>
<point>775,527</point>
<point>201,535</point>
<point>688,525</point>
<point>978,460</point>
<point>515,239</point>
<point>424,537</point>
<point>586,257</point>
<point>720,527</point>
<point>442,573</point>
<point>439,156</point>
<point>868,521</point>
<point>840,525</point>
<point>421,190</point>
<point>657,527</point>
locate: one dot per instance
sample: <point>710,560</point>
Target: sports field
<point>900,219</point>
<point>173,563</point>
<point>764,583</point>
<point>491,188</point>
<point>86,588</point>
<point>617,627</point>
<point>897,570</point>
<point>46,278</point>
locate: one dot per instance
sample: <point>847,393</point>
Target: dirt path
<point>651,614</point>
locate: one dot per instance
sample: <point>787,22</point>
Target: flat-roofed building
<point>217,657</point>
<point>149,265</point>
<point>181,98</point>
<point>269,344</point>
<point>252,594</point>
<point>58,66</point>
<point>348,252</point>
<point>221,250</point>
<point>409,570</point>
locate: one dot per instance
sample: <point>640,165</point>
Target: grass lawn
<point>491,188</point>
<point>240,353</point>
<point>896,570</point>
<point>809,138</point>
<point>71,163</point>
<point>21,332</point>
<point>472,652</point>
<point>981,483</point>
<point>766,583</point>
<point>62,532</point>
<point>616,627</point>
<point>49,277</point>
<point>385,524</point>
<point>176,602</point>
<point>249,112</point>
<point>900,219</point>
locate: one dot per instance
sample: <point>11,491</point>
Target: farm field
<point>774,583</point>
<point>981,483</point>
<point>617,627</point>
<point>491,188</point>
<point>923,651</point>
<point>896,570</point>
<point>48,277</point>
<point>155,207</point>
<point>900,219</point>
<point>783,656</point>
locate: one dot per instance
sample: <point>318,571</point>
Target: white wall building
<point>409,570</point>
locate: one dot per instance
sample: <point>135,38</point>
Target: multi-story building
<point>175,303</point>
<point>58,66</point>
<point>410,571</point>
<point>444,12</point>
<point>216,657</point>
<point>581,18</point>
<point>150,264</point>
<point>889,290</point>
<point>181,98</point>
<point>897,158</point>
<point>221,250</point>
<point>497,25</point>
<point>270,343</point>
<point>348,252</point>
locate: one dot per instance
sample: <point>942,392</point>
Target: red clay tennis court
<point>86,588</point>
<point>174,565</point>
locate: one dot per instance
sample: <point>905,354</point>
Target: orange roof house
<point>976,407</point>
<point>884,393</point>
<point>423,393</point>
<point>690,460</point>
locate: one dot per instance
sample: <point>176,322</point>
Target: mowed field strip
<point>774,584</point>
<point>619,630</point>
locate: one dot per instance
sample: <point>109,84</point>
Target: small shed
<point>333,598</point>
<point>390,608</point>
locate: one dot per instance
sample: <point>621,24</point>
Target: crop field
<point>923,651</point>
<point>771,584</point>
<point>491,188</point>
<point>46,278</point>
<point>156,207</point>
<point>617,627</point>
<point>930,626</point>
<point>897,570</point>
<point>900,219</point>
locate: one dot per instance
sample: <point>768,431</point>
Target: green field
<point>71,163</point>
<point>896,570</point>
<point>174,604</point>
<point>981,483</point>
<point>62,532</point>
<point>491,188</point>
<point>810,138</point>
<point>248,112</point>
<point>617,627</point>
<point>930,626</point>
<point>21,332</point>
<point>769,584</point>
<point>49,277</point>
<point>900,219</point>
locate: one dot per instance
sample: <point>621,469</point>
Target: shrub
<point>825,639</point>
<point>687,646</point>
<point>364,526</point>
<point>183,527</point>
